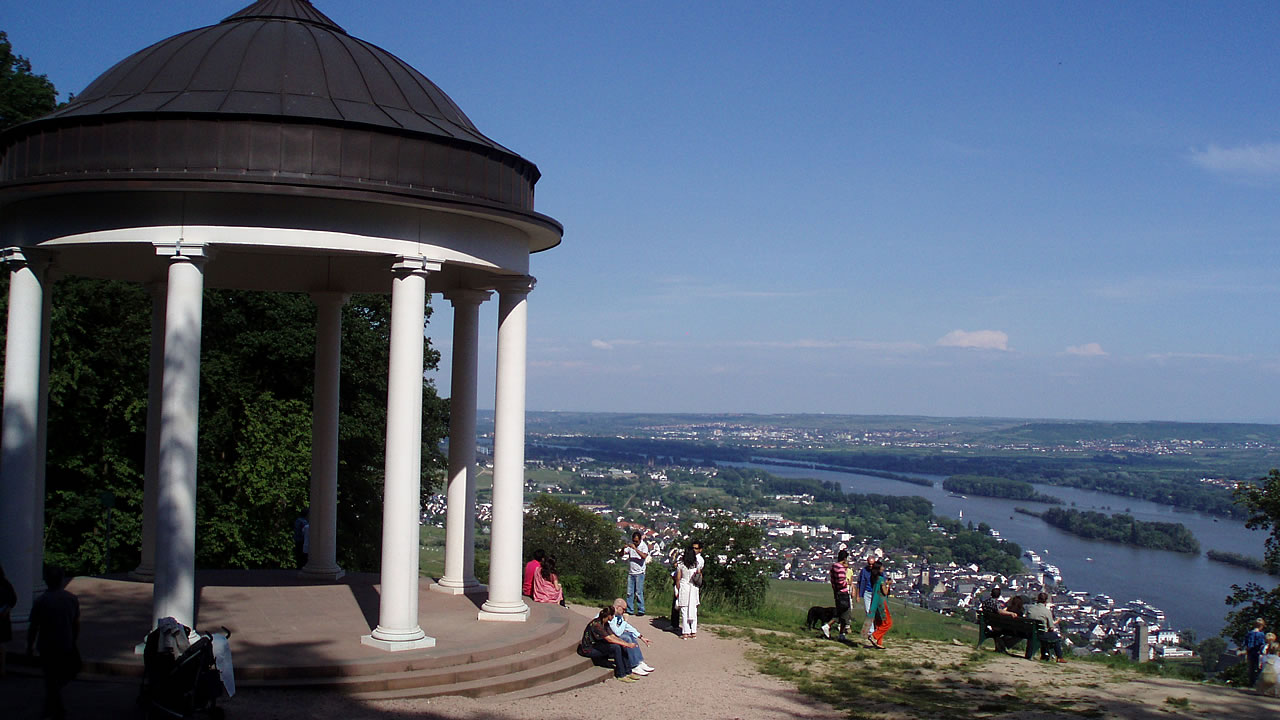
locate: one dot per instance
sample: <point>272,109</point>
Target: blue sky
<point>1029,209</point>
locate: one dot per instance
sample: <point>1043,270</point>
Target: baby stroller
<point>180,677</point>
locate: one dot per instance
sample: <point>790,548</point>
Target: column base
<point>143,574</point>
<point>421,643</point>
<point>445,587</point>
<point>321,573</point>
<point>514,613</point>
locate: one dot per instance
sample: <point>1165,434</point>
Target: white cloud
<point>981,339</point>
<point>611,344</point>
<point>559,364</point>
<point>1087,350</point>
<point>1261,159</point>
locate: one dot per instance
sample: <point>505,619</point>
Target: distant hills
<point>1070,432</point>
<point>961,429</point>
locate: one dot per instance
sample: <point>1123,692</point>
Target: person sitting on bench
<point>992,606</point>
<point>1050,639</point>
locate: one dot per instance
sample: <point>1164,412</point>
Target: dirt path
<point>709,674</point>
<point>714,677</point>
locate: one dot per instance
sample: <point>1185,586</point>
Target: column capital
<point>19,256</point>
<point>415,264</point>
<point>466,296</point>
<point>515,285</point>
<point>182,250</point>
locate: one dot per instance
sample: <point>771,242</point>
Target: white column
<point>459,549</point>
<point>42,436</point>
<point>146,570</point>
<point>506,539</point>
<point>322,560</point>
<point>175,584</point>
<point>20,454</point>
<point>398,627</point>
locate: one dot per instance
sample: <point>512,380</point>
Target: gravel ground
<point>707,677</point>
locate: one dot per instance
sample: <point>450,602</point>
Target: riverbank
<point>1094,565</point>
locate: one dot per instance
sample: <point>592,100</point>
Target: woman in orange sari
<point>880,611</point>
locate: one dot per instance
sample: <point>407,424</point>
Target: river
<point>1191,589</point>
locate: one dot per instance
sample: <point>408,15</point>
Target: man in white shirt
<point>637,555</point>
<point>626,631</point>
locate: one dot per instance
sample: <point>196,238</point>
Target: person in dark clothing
<point>54,631</point>
<point>1254,645</point>
<point>599,643</point>
<point>302,538</point>
<point>992,605</point>
<point>8,598</point>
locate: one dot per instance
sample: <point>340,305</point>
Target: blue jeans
<point>602,651</point>
<point>635,592</point>
<point>634,656</point>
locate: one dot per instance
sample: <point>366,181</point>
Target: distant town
<point>766,436</point>
<point>804,552</point>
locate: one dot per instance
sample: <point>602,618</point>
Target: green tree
<point>23,94</point>
<point>255,425</point>
<point>1262,502</point>
<point>582,543</point>
<point>735,578</point>
<point>97,423</point>
<point>1210,650</point>
<point>1187,638</point>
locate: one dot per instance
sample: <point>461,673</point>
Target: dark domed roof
<point>275,99</point>
<point>277,58</point>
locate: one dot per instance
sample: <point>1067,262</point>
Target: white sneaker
<point>646,667</point>
<point>826,631</point>
<point>637,670</point>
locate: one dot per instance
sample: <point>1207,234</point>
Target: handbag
<point>696,580</point>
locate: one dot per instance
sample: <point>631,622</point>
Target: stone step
<point>569,666</point>
<point>410,676</point>
<point>592,675</point>
<point>549,630</point>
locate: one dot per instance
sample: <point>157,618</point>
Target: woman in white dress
<point>687,593</point>
<point>1269,678</point>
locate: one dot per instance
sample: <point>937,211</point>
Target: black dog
<point>819,615</point>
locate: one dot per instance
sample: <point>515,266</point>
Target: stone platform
<point>291,632</point>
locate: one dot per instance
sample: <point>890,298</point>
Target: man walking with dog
<point>844,602</point>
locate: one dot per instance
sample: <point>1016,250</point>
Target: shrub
<point>740,580</point>
<point>582,544</point>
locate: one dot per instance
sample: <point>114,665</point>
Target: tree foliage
<point>735,578</point>
<point>253,475</point>
<point>1123,528</point>
<point>23,94</point>
<point>1262,502</point>
<point>582,544</point>
<point>995,487</point>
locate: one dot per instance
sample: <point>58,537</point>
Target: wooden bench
<point>1001,627</point>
